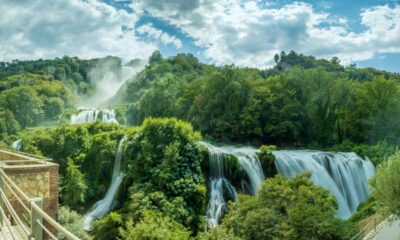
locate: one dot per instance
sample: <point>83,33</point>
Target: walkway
<point>391,231</point>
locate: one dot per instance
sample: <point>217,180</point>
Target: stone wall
<point>37,181</point>
<point>35,178</point>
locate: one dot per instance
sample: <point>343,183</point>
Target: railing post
<point>1,199</point>
<point>37,230</point>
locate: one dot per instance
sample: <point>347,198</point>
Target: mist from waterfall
<point>87,115</point>
<point>105,205</point>
<point>107,77</point>
<point>345,175</point>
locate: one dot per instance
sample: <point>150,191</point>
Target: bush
<point>386,184</point>
<point>72,221</point>
<point>156,227</point>
<point>267,160</point>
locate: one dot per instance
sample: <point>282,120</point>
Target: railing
<point>372,228</point>
<point>22,217</point>
<point>36,157</point>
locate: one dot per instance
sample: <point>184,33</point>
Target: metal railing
<point>22,217</point>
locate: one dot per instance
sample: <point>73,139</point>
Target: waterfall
<point>345,175</point>
<point>87,115</point>
<point>17,145</point>
<point>221,186</point>
<point>103,206</point>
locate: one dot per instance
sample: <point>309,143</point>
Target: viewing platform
<point>29,197</point>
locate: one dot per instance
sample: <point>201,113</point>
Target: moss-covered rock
<point>233,171</point>
<point>267,160</point>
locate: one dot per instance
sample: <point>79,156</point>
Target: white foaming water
<point>220,186</point>
<point>104,206</point>
<point>345,175</point>
<point>17,145</point>
<point>87,115</point>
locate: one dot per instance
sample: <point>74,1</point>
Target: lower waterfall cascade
<point>105,205</point>
<point>345,175</point>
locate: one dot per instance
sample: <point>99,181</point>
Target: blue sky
<point>240,32</point>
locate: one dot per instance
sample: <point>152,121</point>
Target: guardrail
<point>36,157</point>
<point>372,228</point>
<point>23,217</point>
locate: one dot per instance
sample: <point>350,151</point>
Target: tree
<point>73,222</point>
<point>74,185</point>
<point>154,226</point>
<point>108,227</point>
<point>155,57</point>
<point>381,101</point>
<point>24,103</point>
<point>163,159</point>
<point>386,184</point>
<point>283,208</point>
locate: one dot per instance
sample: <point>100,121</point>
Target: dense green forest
<point>301,102</point>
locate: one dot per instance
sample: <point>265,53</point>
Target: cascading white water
<point>345,175</point>
<point>17,145</point>
<point>219,185</point>
<point>103,206</point>
<point>87,115</point>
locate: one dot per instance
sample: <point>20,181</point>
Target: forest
<point>166,113</point>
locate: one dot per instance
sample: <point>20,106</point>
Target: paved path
<point>391,231</point>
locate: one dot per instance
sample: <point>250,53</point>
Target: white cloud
<point>47,29</point>
<point>249,33</point>
<point>157,34</point>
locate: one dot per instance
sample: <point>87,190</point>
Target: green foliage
<point>267,160</point>
<point>364,210</point>
<point>33,99</point>
<point>73,222</point>
<point>386,184</point>
<point>154,226</point>
<point>163,156</point>
<point>8,124</point>
<point>377,153</point>
<point>90,149</point>
<point>301,101</point>
<point>108,227</point>
<point>233,170</point>
<point>285,209</point>
<point>24,103</point>
<point>217,233</point>
<point>74,186</point>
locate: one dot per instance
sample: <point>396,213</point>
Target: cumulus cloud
<point>47,29</point>
<point>158,35</point>
<point>249,33</point>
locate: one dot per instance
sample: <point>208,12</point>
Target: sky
<point>246,33</point>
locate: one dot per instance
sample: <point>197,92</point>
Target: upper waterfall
<point>345,175</point>
<point>88,115</point>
